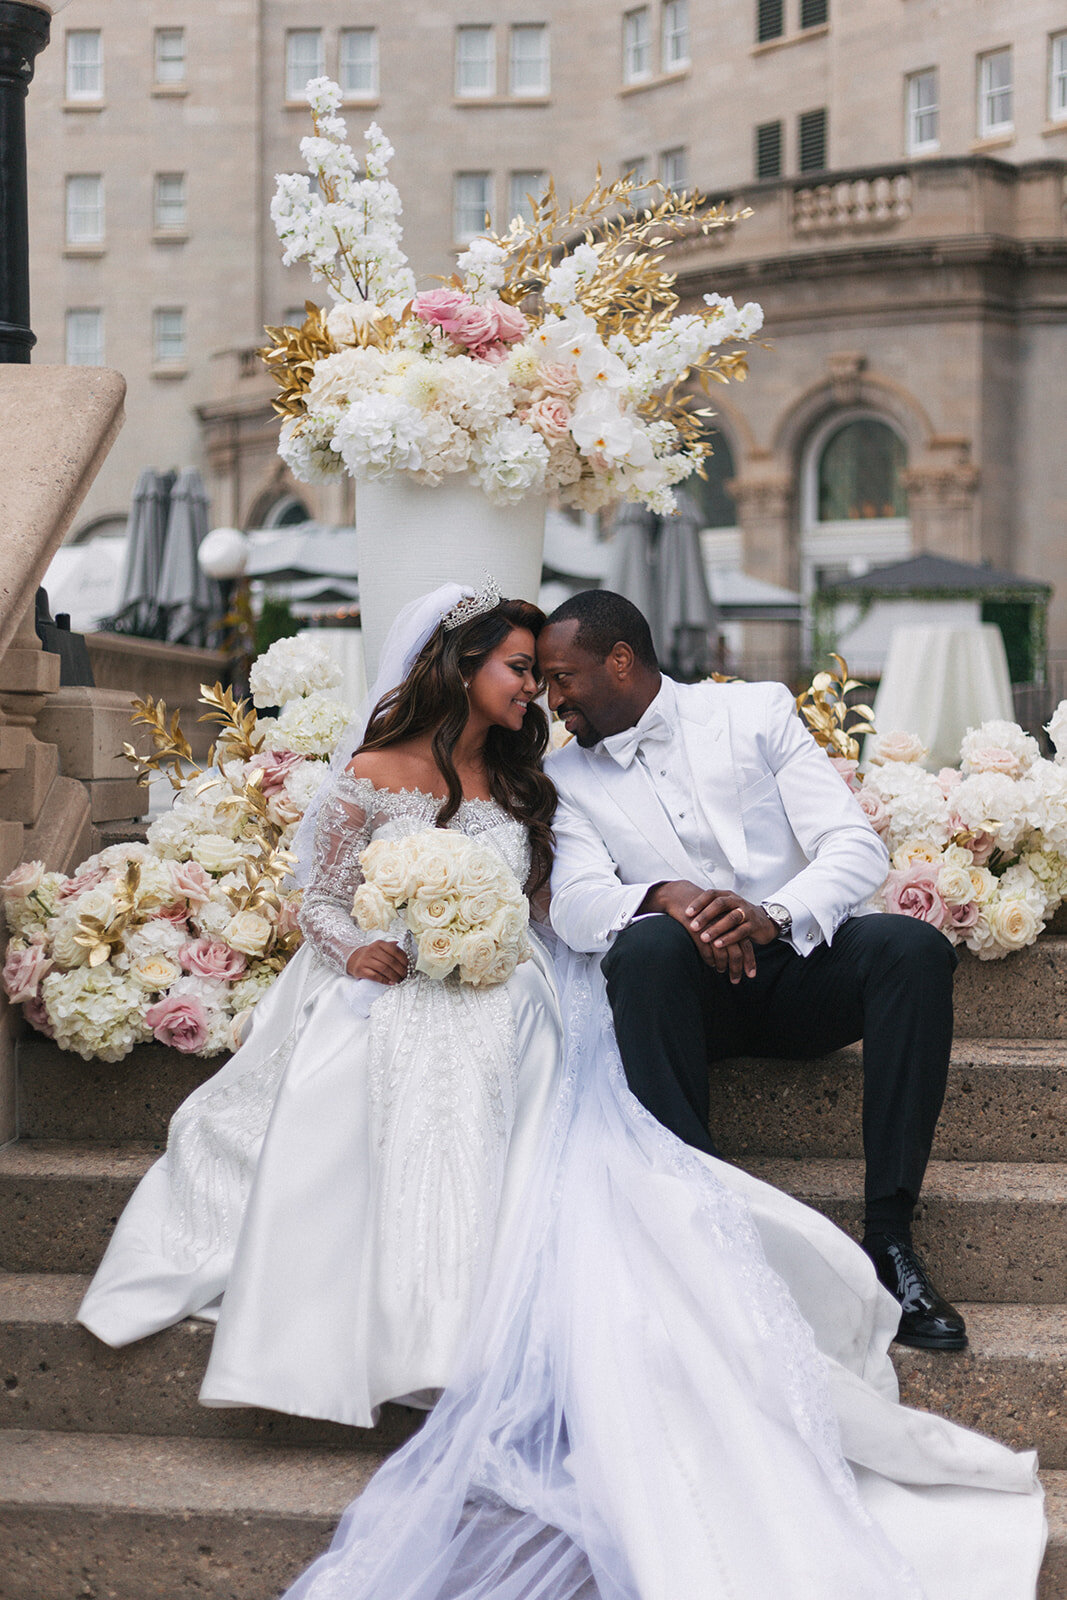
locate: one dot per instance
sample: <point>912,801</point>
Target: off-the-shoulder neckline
<point>413,794</point>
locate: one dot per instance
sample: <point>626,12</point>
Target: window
<point>770,20</point>
<point>769,150</point>
<point>718,508</point>
<point>85,64</point>
<point>472,200</point>
<point>85,338</point>
<point>859,473</point>
<point>359,63</point>
<point>169,204</point>
<point>811,140</point>
<point>994,93</point>
<point>675,35</point>
<point>475,63</point>
<point>85,209</point>
<point>528,69</point>
<point>1057,91</point>
<point>674,168</point>
<point>636,46</point>
<point>168,337</point>
<point>304,59</point>
<point>813,13</point>
<point>923,112</point>
<point>170,55</point>
<point>521,185</point>
<point>637,168</point>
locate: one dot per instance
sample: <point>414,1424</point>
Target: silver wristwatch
<point>780,916</point>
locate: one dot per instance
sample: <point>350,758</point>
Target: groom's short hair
<point>606,619</point>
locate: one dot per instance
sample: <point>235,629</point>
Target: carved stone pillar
<point>942,500</point>
<point>764,500</point>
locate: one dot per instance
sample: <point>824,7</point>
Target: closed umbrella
<point>138,608</point>
<point>189,600</point>
<point>659,566</point>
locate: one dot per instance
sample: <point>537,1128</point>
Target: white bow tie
<point>653,728</point>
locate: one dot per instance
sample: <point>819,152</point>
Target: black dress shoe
<point>926,1320</point>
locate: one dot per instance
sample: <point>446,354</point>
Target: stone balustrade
<point>853,203</point>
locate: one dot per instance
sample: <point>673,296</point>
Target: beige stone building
<point>905,163</point>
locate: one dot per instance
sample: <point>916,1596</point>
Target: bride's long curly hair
<point>433,697</point>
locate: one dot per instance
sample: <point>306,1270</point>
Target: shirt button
<point>663,772</point>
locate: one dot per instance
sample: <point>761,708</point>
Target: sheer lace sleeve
<point>342,833</point>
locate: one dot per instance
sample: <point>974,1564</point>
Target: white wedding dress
<point>663,1380</point>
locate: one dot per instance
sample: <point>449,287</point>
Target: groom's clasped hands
<point>724,927</point>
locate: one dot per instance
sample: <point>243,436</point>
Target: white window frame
<point>85,77</point>
<point>520,184</point>
<point>674,168</point>
<point>1057,78</point>
<point>989,126</point>
<point>915,144</point>
<point>80,350</point>
<point>535,65</point>
<point>637,45</point>
<point>472,83</point>
<point>464,204</point>
<point>674,43</point>
<point>176,203</point>
<point>369,90</point>
<point>169,67</point>
<point>294,90</point>
<point>84,209</point>
<point>169,342</point>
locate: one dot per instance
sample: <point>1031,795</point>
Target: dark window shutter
<point>770,19</point>
<point>769,150</point>
<point>811,141</point>
<point>813,13</point>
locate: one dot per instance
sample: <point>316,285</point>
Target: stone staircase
<point>116,1485</point>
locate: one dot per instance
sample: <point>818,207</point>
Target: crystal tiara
<point>473,605</point>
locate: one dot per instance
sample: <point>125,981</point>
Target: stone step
<point>60,1096</point>
<point>86,1515</point>
<point>59,1203</point>
<point>1006,1101</point>
<point>1024,996</point>
<point>989,1231</point>
<point>1011,1383</point>
<point>57,1376</point>
<point>95,1515</point>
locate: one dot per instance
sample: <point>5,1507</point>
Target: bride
<point>662,1379</point>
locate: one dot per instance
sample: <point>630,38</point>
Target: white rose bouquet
<point>555,360</point>
<point>456,897</point>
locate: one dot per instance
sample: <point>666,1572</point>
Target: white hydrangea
<point>377,435</point>
<point>311,726</point>
<point>157,937</point>
<point>511,463</point>
<point>993,803</point>
<point>998,746</point>
<point>95,1012</point>
<point>305,447</point>
<point>1045,800</point>
<point>292,668</point>
<point>1056,727</point>
<point>305,781</point>
<point>915,802</point>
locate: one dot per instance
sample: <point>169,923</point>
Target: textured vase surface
<point>413,538</point>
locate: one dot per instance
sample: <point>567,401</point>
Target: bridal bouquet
<point>177,939</point>
<point>456,897</point>
<point>553,360</point>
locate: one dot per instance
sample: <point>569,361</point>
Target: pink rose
<point>438,306</point>
<point>282,811</point>
<point>557,377</point>
<point>913,893</point>
<point>981,845</point>
<point>875,810</point>
<point>494,352</point>
<point>178,1020</point>
<point>510,322</point>
<point>288,918</point>
<point>993,758</point>
<point>23,971</point>
<point>191,882</point>
<point>846,769</point>
<point>37,1017</point>
<point>87,878</point>
<point>552,418</point>
<point>276,765</point>
<point>177,913</point>
<point>471,325</point>
<point>24,880</point>
<point>212,958</point>
<point>949,778</point>
<point>961,919</point>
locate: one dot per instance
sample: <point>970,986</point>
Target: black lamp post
<point>23,34</point>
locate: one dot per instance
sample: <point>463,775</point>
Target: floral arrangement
<point>978,851</point>
<point>177,939</point>
<point>457,898</point>
<point>542,365</point>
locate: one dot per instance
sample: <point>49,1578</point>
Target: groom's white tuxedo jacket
<point>775,821</point>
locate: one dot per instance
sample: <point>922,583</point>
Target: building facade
<point>904,164</point>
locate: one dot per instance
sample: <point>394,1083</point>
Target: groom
<point>706,845</point>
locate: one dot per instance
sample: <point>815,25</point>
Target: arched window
<point>716,503</point>
<point>859,472</point>
<point>286,513</point>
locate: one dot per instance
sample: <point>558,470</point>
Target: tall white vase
<point>412,538</point>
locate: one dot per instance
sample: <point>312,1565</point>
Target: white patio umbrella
<point>658,565</point>
<point>189,599</point>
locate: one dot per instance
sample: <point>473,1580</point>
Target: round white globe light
<point>223,553</point>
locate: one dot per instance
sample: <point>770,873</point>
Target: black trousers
<point>885,979</point>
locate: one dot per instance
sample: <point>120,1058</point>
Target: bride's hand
<point>383,962</point>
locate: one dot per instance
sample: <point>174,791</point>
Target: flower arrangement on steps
<point>176,939</point>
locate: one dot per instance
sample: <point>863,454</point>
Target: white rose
<point>1013,923</point>
<point>912,850</point>
<point>387,864</point>
<point>428,910</point>
<point>477,952</point>
<point>481,869</point>
<point>897,746</point>
<point>437,862</point>
<point>154,972</point>
<point>438,952</point>
<point>954,885</point>
<point>249,932</point>
<point>217,854</point>
<point>66,952</point>
<point>983,884</point>
<point>371,909</point>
